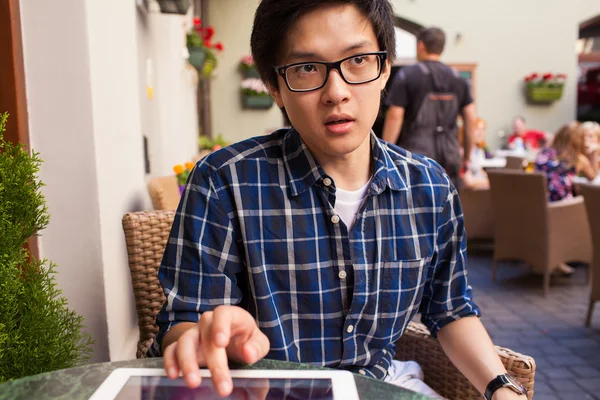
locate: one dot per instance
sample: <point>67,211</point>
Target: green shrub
<point>38,332</point>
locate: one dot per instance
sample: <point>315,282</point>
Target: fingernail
<point>172,373</point>
<point>224,387</point>
<point>193,379</point>
<point>220,339</point>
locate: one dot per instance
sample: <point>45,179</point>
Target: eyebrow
<point>294,55</point>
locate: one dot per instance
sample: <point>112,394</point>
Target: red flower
<point>534,75</point>
<point>209,32</point>
<point>208,44</point>
<point>197,21</point>
<point>561,76</point>
<point>219,46</point>
<point>547,76</point>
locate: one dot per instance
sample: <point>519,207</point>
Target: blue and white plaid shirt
<point>257,228</point>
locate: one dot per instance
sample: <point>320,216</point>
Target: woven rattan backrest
<point>146,234</point>
<point>591,194</point>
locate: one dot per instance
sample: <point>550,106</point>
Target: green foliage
<point>205,142</point>
<point>38,332</point>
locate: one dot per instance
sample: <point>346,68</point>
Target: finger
<point>186,352</point>
<point>215,356</point>
<point>170,361</point>
<point>221,325</point>
<point>249,349</point>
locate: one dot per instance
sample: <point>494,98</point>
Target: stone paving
<point>518,316</point>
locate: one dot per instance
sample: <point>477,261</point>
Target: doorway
<point>588,80</point>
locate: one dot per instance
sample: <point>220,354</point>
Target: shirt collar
<point>304,171</point>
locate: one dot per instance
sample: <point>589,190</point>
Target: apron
<point>434,132</point>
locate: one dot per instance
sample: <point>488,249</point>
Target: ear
<point>276,95</point>
<point>385,74</point>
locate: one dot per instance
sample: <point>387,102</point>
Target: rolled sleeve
<point>201,258</point>
<point>447,296</point>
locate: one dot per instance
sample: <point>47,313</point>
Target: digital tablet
<point>153,384</point>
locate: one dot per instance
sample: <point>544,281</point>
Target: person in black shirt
<point>425,101</point>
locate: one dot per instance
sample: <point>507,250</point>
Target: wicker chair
<point>514,162</point>
<point>146,234</point>
<point>164,192</point>
<point>591,194</point>
<point>528,228</point>
<point>477,213</point>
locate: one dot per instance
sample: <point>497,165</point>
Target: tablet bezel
<point>342,382</point>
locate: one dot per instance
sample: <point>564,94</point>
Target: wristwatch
<point>502,381</point>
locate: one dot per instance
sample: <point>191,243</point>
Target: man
<point>531,139</point>
<point>319,243</point>
<point>425,101</point>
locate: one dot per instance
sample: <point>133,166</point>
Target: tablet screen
<point>162,388</point>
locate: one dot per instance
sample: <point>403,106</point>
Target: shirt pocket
<point>401,288</point>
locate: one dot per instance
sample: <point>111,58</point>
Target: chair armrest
<point>442,376</point>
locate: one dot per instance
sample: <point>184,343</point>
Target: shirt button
<point>342,274</point>
<point>362,372</point>
<point>350,328</point>
<point>335,219</point>
<point>327,182</point>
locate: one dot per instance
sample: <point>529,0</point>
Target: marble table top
<point>81,382</point>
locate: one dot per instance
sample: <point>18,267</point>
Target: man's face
<point>519,126</point>
<point>336,120</point>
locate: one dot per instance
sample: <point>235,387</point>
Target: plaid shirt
<point>257,228</point>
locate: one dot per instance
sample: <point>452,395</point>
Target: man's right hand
<point>228,332</point>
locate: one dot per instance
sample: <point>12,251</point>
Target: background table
<point>81,382</point>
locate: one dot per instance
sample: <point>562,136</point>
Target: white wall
<point>85,64</point>
<point>509,40</point>
<point>170,119</point>
<point>232,20</point>
<point>61,125</point>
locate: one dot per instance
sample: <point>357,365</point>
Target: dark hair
<point>433,38</point>
<point>274,18</point>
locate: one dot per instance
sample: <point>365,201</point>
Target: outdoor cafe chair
<point>529,228</point>
<point>591,194</point>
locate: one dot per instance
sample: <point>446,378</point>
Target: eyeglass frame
<point>337,65</point>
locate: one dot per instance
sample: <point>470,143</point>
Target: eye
<point>358,60</point>
<point>305,68</point>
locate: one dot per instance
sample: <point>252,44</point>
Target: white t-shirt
<point>347,203</point>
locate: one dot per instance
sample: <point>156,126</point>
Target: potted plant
<point>201,50</point>
<point>248,67</point>
<point>255,94</point>
<point>38,332</point>
<point>544,88</point>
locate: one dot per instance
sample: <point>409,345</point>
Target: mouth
<point>338,119</point>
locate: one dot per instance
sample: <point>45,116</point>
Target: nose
<point>336,90</point>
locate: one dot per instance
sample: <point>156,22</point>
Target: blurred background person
<point>425,101</point>
<point>591,132</point>
<point>474,176</point>
<point>563,160</point>
<point>529,138</point>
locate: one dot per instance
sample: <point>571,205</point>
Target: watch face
<point>516,383</point>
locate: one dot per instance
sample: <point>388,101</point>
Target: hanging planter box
<point>174,6</point>
<point>544,94</point>
<point>197,57</point>
<point>257,102</point>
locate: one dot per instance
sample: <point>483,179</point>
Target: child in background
<point>565,159</point>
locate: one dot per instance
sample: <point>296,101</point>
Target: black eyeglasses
<point>354,70</point>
